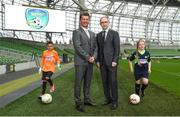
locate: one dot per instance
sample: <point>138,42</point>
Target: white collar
<point>106,30</point>
<point>85,29</point>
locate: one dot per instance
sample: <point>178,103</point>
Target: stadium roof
<point>154,20</point>
<point>154,2</point>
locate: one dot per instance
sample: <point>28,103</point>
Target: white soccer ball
<point>46,98</point>
<point>134,99</point>
<point>37,21</point>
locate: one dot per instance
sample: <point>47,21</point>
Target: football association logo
<point>36,18</point>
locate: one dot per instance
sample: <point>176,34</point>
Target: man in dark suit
<point>108,44</point>
<point>84,42</point>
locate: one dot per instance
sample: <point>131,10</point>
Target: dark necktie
<point>103,35</point>
<point>103,39</point>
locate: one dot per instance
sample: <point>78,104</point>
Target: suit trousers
<point>83,74</point>
<point>109,79</point>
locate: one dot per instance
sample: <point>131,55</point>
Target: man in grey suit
<point>84,42</point>
<point>108,44</point>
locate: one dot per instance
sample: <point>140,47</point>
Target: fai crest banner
<point>37,18</point>
<point>34,19</point>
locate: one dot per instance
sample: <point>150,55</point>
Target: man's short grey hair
<point>104,17</point>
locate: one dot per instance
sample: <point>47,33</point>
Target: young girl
<point>142,67</point>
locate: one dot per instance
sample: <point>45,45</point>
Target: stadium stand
<point>9,60</point>
<point>160,52</point>
<point>27,47</point>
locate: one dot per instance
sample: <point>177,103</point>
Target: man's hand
<point>59,66</point>
<point>91,59</point>
<point>114,64</point>
<point>40,70</point>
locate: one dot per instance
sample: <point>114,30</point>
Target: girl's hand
<point>149,71</point>
<point>131,70</point>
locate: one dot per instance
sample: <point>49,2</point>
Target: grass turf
<point>158,100</point>
<point>13,85</point>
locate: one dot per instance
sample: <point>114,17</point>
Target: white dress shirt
<point>106,31</point>
<point>86,30</point>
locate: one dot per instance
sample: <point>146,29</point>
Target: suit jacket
<point>84,46</point>
<point>108,49</point>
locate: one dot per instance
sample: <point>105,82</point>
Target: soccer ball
<point>37,21</point>
<point>46,98</point>
<point>134,99</point>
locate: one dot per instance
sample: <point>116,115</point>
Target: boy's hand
<point>40,70</point>
<point>59,66</point>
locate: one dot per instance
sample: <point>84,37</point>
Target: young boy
<point>49,61</point>
<point>142,67</point>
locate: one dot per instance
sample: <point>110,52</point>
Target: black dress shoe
<point>106,103</point>
<point>80,108</point>
<point>114,106</point>
<point>89,103</point>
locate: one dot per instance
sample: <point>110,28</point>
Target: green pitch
<point>162,96</point>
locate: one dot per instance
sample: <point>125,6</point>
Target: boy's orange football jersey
<point>49,60</point>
